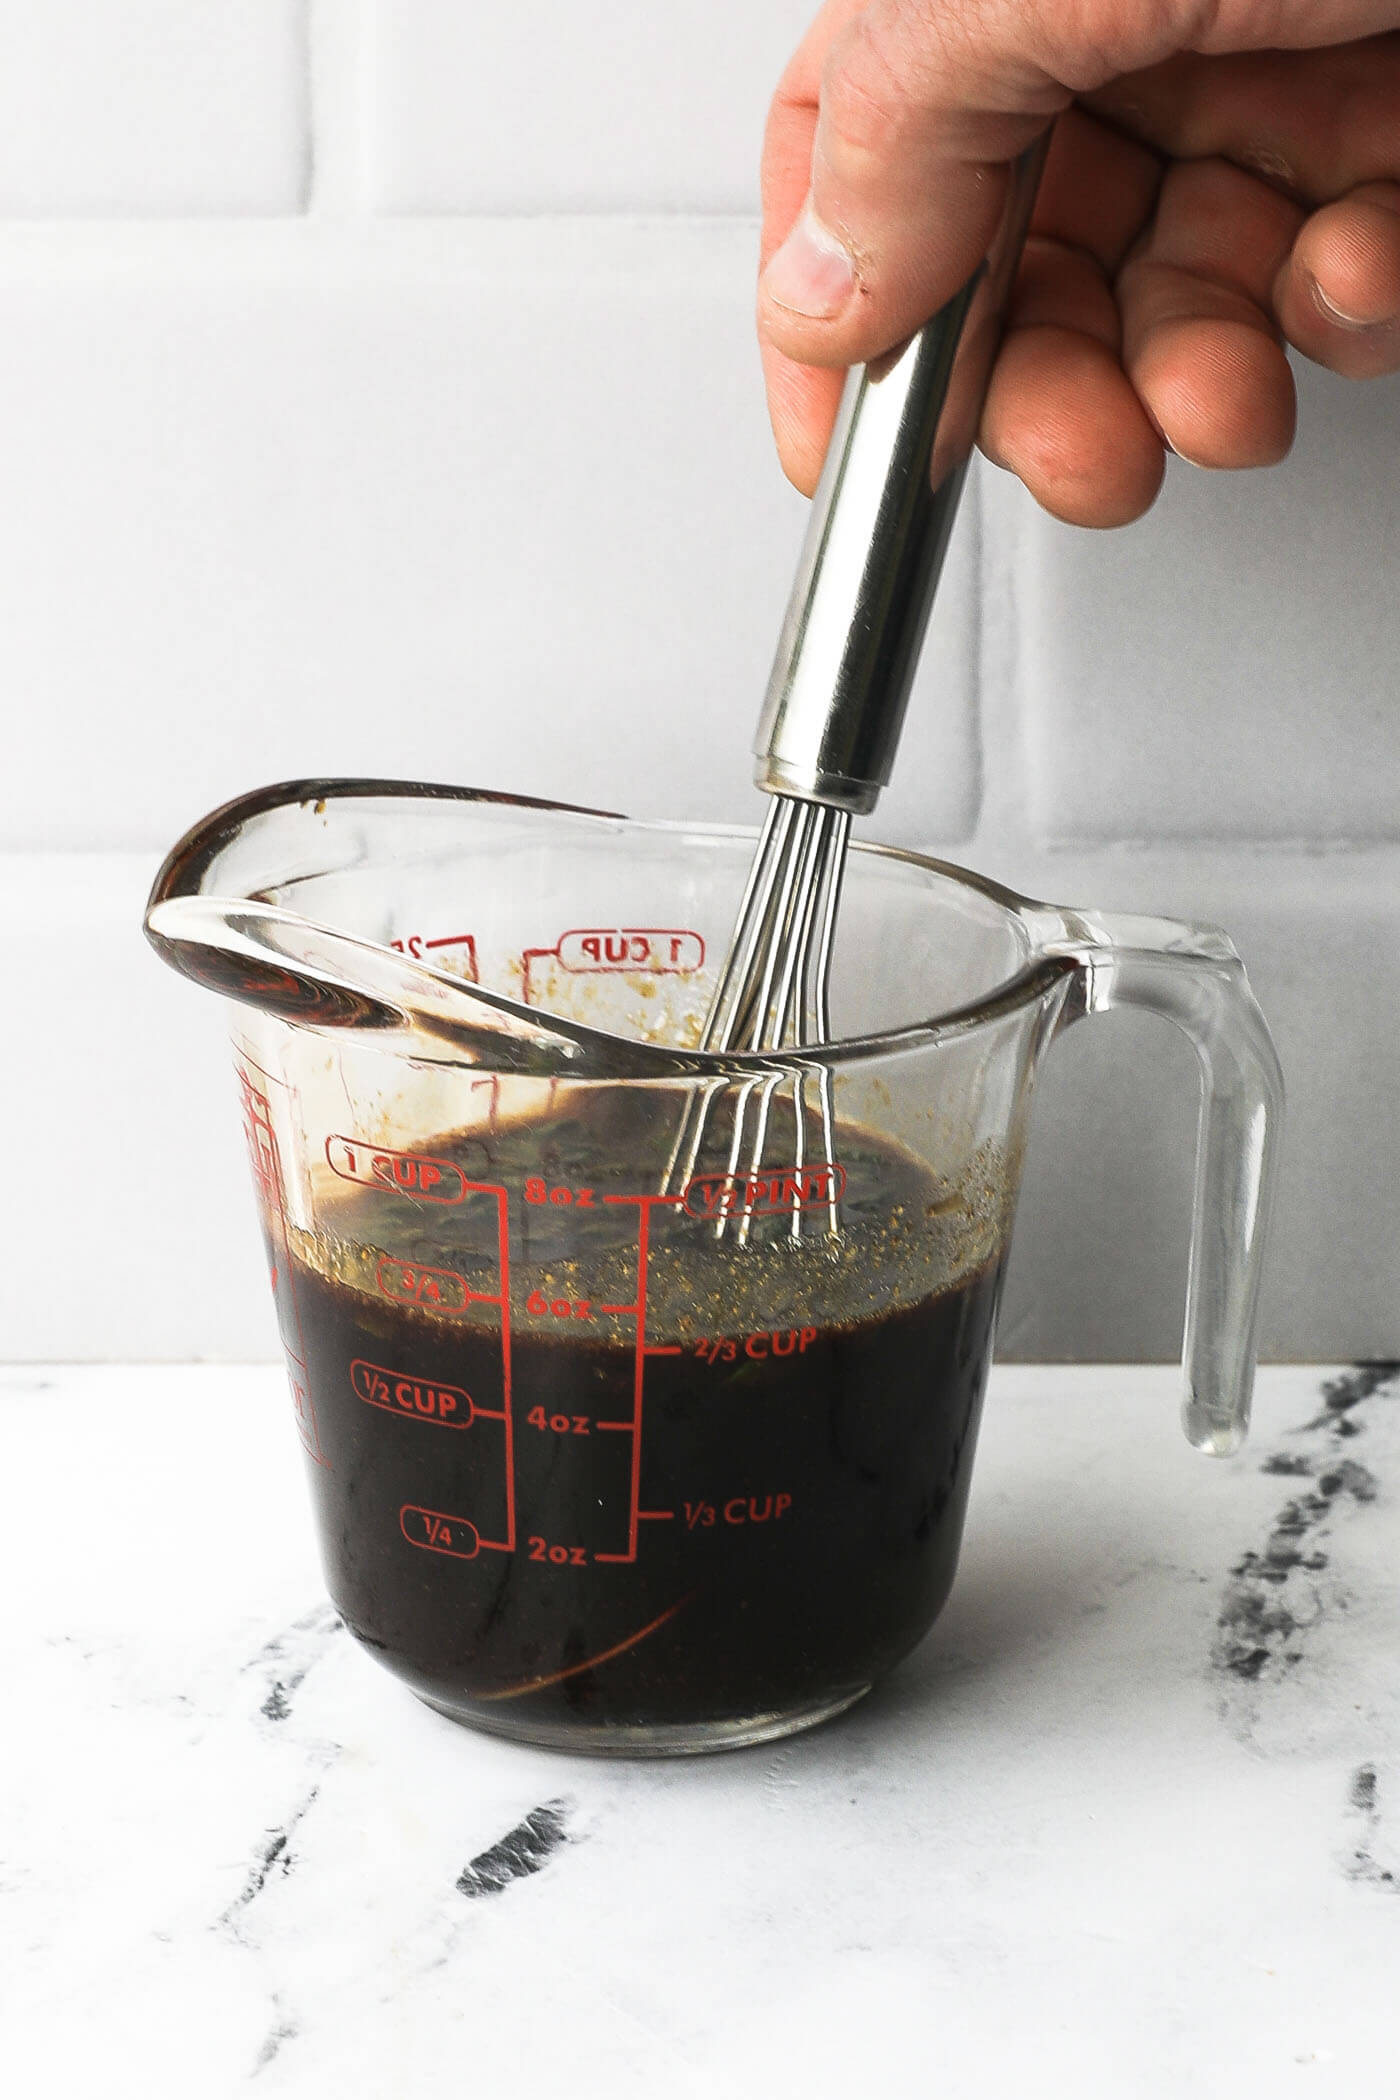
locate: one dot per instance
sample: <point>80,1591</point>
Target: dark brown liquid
<point>760,1515</point>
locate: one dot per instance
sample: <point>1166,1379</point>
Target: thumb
<point>885,166</point>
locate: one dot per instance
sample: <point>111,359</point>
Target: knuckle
<point>864,94</point>
<point>886,70</point>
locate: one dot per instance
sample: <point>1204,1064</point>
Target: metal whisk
<point>846,657</point>
<point>772,993</point>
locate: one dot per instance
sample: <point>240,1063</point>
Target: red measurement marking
<point>557,1555</point>
<point>635,1494</point>
<point>528,957</point>
<point>407,1173</point>
<point>503,1258</point>
<point>668,951</point>
<point>779,1341</point>
<point>417,1399</point>
<point>411,1283</point>
<point>738,1510</point>
<point>755,1509</point>
<point>562,1195</point>
<point>443,1290</point>
<point>302,1410</point>
<point>643,1351</point>
<point>261,1141</point>
<point>775,1191</point>
<point>439,1532</point>
<point>264,1157</point>
<point>660,951</point>
<point>417,946</point>
<point>643,1248</point>
<point>493,1111</point>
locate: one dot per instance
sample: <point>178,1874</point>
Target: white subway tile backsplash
<point>536,107</point>
<point>486,503</point>
<point>136,1236</point>
<point>1226,669</point>
<point>152,107</point>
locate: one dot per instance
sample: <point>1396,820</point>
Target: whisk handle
<point>877,535</point>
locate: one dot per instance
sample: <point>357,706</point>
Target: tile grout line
<point>1003,827</point>
<point>337,82</point>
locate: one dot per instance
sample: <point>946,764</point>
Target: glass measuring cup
<point>590,1468</point>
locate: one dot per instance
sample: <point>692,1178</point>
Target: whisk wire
<point>773,995</point>
<point>817,1012</point>
<point>817,995</point>
<point>784,1011</point>
<point>724,1021</point>
<point>761,1013</point>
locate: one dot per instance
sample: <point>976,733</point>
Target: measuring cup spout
<point>213,915</point>
<point>311,975</point>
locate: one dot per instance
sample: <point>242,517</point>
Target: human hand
<point>1224,177</point>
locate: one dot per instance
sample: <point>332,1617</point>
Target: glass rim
<point>181,875</point>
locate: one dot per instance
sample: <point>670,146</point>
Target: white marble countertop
<point>1126,1824</point>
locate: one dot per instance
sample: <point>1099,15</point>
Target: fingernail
<point>811,273</point>
<point>1161,434</point>
<point>1340,319</point>
<point>1175,450</point>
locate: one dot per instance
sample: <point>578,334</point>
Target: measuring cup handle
<point>1193,977</point>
